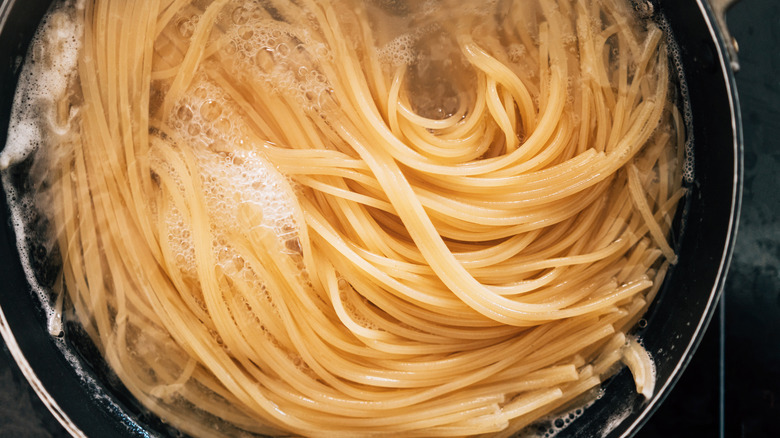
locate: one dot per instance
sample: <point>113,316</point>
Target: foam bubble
<point>242,190</point>
<point>684,98</point>
<point>54,50</point>
<point>282,55</point>
<point>553,425</point>
<point>399,51</point>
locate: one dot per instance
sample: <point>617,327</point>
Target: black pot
<point>74,384</point>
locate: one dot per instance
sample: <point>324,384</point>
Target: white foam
<point>43,81</point>
<point>559,422</point>
<point>399,51</point>
<point>238,183</point>
<point>284,56</point>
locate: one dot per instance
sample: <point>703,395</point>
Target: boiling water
<point>37,118</point>
<point>237,183</point>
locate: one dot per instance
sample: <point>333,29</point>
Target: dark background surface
<point>732,386</point>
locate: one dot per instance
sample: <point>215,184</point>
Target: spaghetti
<point>359,218</point>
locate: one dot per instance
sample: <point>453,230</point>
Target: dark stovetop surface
<point>732,386</point>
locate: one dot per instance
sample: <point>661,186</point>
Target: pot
<point>74,383</point>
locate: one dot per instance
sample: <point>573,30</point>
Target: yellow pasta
<point>366,218</point>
